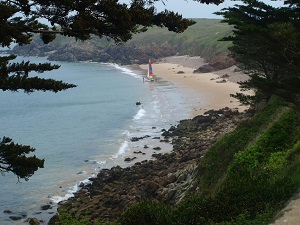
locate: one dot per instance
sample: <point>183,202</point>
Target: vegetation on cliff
<point>266,44</point>
<point>200,39</point>
<point>248,175</point>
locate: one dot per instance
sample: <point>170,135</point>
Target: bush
<point>147,212</point>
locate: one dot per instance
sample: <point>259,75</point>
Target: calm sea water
<point>81,130</point>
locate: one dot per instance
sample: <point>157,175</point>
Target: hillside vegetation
<point>200,39</point>
<point>245,178</point>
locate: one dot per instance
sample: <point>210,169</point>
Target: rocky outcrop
<point>168,178</point>
<point>219,62</point>
<point>125,54</point>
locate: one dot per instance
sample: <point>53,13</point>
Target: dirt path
<point>290,215</point>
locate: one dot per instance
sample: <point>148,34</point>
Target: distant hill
<point>200,39</point>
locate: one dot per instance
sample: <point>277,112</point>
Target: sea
<point>82,130</point>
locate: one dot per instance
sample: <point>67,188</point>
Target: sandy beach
<point>179,71</point>
<point>204,91</point>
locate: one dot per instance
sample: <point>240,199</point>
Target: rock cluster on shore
<point>168,178</point>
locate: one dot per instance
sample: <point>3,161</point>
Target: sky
<point>192,9</point>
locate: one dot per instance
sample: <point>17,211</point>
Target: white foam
<point>70,193</point>
<point>139,114</point>
<point>101,162</point>
<point>121,150</point>
<point>126,133</point>
<point>125,70</point>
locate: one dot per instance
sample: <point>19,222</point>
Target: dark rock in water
<point>135,139</point>
<point>53,220</point>
<point>137,152</point>
<point>154,155</point>
<point>33,221</point>
<point>7,211</point>
<point>146,146</point>
<point>166,134</point>
<point>81,172</point>
<point>156,138</point>
<point>129,159</point>
<point>172,128</point>
<point>15,217</point>
<point>45,207</point>
<point>157,148</point>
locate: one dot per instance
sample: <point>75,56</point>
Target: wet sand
<point>204,91</point>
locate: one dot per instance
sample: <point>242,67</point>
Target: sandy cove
<point>167,178</point>
<point>205,91</point>
<point>202,92</point>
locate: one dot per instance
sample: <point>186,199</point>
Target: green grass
<point>214,165</point>
<point>200,39</point>
<point>242,181</point>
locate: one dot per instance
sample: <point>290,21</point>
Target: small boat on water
<point>150,72</point>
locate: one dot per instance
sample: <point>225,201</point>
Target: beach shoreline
<point>204,91</point>
<point>143,172</point>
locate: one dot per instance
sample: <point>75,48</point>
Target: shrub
<point>147,212</point>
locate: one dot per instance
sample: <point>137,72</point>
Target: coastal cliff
<point>166,178</point>
<point>215,174</point>
<point>200,39</point>
<point>226,167</point>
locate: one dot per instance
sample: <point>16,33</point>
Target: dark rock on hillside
<point>168,178</point>
<point>125,54</point>
<point>219,62</point>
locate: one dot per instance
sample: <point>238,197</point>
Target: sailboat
<point>150,72</point>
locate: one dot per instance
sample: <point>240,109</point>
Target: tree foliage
<point>266,43</point>
<point>13,159</point>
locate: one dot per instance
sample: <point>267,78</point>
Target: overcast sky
<point>192,9</point>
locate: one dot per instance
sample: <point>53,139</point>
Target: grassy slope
<point>244,179</point>
<point>200,39</point>
<point>249,174</point>
<point>240,181</point>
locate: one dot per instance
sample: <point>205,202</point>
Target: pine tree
<point>266,44</point>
